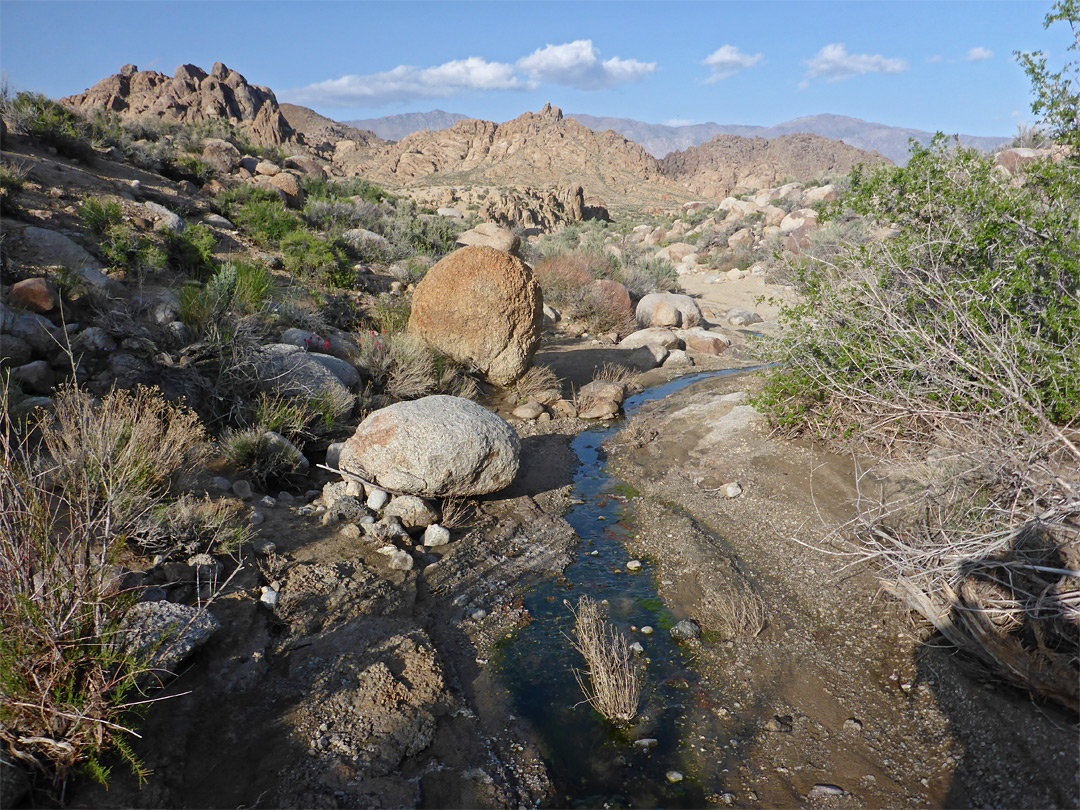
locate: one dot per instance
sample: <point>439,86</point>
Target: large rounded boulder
<point>483,308</point>
<point>434,447</point>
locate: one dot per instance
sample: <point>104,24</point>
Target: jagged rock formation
<point>730,164</point>
<point>537,150</point>
<point>322,133</point>
<point>540,210</point>
<point>189,96</point>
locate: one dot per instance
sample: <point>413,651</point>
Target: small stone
<point>636,647</point>
<point>633,565</point>
<point>529,411</point>
<point>779,724</point>
<point>220,483</point>
<point>544,417</point>
<point>269,596</point>
<point>350,531</point>
<point>727,799</point>
<point>401,560</point>
<point>677,358</point>
<point>674,776</point>
<point>355,489</point>
<point>436,535</point>
<point>479,614</point>
<point>265,547</point>
<point>333,453</point>
<point>286,499</point>
<point>647,630</point>
<point>387,550</point>
<point>685,630</point>
<point>821,791</point>
<point>853,726</point>
<point>330,518</point>
<point>267,502</point>
<point>733,490</point>
<point>645,743</point>
<point>241,489</point>
<point>377,499</point>
<point>256,518</point>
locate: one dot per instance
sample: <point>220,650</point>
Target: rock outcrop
<point>538,150</point>
<point>483,308</point>
<point>191,95</point>
<point>434,447</point>
<point>730,164</point>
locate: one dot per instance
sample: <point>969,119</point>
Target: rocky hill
<point>189,96</point>
<point>322,133</point>
<point>730,164</point>
<point>396,127</point>
<point>534,150</point>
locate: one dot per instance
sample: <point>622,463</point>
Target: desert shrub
<point>404,367</point>
<point>410,232</point>
<point>344,189</point>
<point>100,215</point>
<point>954,347</point>
<point>180,167</point>
<point>563,280</point>
<point>610,680</point>
<point>567,284</point>
<point>12,180</point>
<point>330,215</point>
<point>237,288</point>
<point>390,313</point>
<point>192,525</point>
<point>260,215</point>
<point>538,383</point>
<point>67,687</point>
<point>644,274</point>
<point>52,124</point>
<point>191,251</point>
<point>409,271</point>
<point>265,460</point>
<point>123,249</point>
<point>310,257</point>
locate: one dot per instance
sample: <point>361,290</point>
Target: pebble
<point>286,498</point>
<point>241,489</point>
<point>265,547</point>
<point>646,743</point>
<point>350,531</point>
<point>355,489</point>
<point>779,724</point>
<point>674,776</point>
<point>733,490</point>
<point>377,499</point>
<point>269,596</point>
<point>636,647</point>
<point>401,560</point>
<point>646,630</point>
<point>821,791</point>
<point>727,799</point>
<point>633,565</point>
<point>267,501</point>
<point>256,518</point>
<point>328,518</point>
<point>219,483</point>
<point>479,614</point>
<point>852,726</point>
<point>436,535</point>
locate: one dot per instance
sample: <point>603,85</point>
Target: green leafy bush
<point>100,216</point>
<point>307,256</point>
<point>264,218</point>
<point>343,190</point>
<point>237,288</point>
<point>190,251</point>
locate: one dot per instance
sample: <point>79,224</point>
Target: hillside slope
<point>730,164</point>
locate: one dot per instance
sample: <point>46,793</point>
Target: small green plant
<point>100,216</point>
<point>265,219</point>
<point>12,180</point>
<point>191,251</point>
<point>308,257</point>
<point>237,288</point>
<point>390,313</point>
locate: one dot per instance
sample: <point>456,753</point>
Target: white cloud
<point>834,63</point>
<point>727,60</point>
<point>933,60</point>
<point>577,64</point>
<point>406,82</point>
<point>979,54</point>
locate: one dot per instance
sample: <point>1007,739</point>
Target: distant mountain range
<point>660,140</point>
<point>396,127</point>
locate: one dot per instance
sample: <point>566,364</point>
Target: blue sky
<point>930,65</point>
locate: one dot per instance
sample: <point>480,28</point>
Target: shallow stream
<point>592,762</point>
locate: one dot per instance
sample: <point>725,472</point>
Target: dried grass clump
<point>64,687</point>
<point>540,384</point>
<point>737,614</point>
<point>615,373</point>
<point>458,513</point>
<point>610,681</point>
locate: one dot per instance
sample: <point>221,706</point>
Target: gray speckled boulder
<point>165,633</point>
<point>438,446</point>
